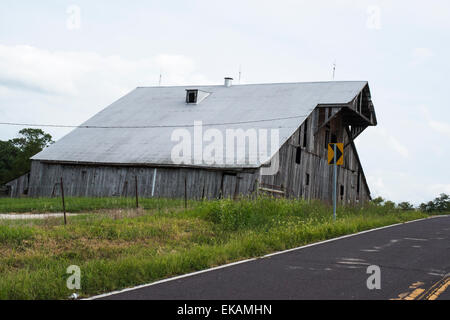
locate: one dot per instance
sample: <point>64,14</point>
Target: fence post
<point>185,193</point>
<point>63,203</point>
<point>137,197</point>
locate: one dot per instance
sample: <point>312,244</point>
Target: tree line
<point>439,204</point>
<point>15,153</point>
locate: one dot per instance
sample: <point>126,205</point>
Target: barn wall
<point>314,162</point>
<point>18,187</point>
<point>107,181</point>
<point>87,180</point>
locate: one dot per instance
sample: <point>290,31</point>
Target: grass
<point>78,204</point>
<point>124,247</point>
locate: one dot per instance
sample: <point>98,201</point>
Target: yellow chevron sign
<point>339,156</point>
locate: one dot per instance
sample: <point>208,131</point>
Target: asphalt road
<point>414,261</point>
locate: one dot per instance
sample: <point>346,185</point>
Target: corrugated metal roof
<point>166,106</point>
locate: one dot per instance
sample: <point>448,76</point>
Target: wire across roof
<point>137,128</point>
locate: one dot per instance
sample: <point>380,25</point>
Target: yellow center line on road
<point>431,294</point>
<point>437,289</point>
<point>414,294</point>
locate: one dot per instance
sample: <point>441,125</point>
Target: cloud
<point>376,184</point>
<point>385,183</point>
<point>78,73</point>
<point>400,186</point>
<point>420,55</point>
<point>438,126</point>
<point>436,189</point>
<point>397,146</point>
<point>68,87</point>
<point>392,142</point>
<point>28,68</point>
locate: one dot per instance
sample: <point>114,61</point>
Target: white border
<point>252,259</point>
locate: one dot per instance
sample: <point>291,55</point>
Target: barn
<point>214,141</point>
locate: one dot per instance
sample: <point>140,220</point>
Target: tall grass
<point>80,204</point>
<point>114,252</point>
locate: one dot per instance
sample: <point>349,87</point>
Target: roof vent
<point>228,81</point>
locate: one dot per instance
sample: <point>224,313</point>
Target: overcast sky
<point>63,61</point>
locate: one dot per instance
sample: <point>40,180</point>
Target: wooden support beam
<point>271,190</point>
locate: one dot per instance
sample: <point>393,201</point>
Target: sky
<point>63,61</point>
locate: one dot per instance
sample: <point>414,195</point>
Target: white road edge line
<point>253,259</point>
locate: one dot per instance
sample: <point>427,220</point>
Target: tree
<point>389,205</point>
<point>405,206</point>
<point>427,207</point>
<point>439,204</point>
<point>378,201</point>
<point>8,152</point>
<point>15,154</point>
<point>442,203</point>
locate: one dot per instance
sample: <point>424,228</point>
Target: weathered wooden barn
<point>17,187</point>
<point>134,138</point>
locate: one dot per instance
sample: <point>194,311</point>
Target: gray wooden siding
<point>18,187</point>
<point>88,180</point>
<point>314,161</point>
<point>107,181</point>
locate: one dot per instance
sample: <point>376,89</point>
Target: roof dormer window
<point>195,96</point>
<point>191,95</point>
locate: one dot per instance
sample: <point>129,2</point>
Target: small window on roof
<point>191,96</point>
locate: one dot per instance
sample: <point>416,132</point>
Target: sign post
<point>336,158</point>
<point>334,184</point>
